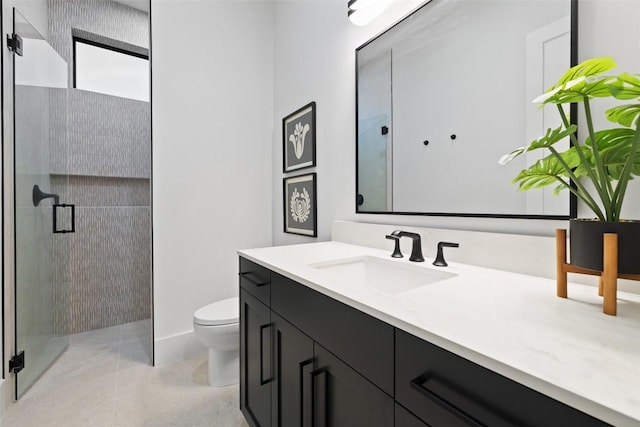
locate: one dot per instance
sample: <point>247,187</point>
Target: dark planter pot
<point>585,244</point>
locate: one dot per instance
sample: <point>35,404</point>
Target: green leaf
<point>626,86</point>
<point>512,155</point>
<point>577,90</point>
<point>614,146</point>
<point>574,161</point>
<point>551,137</point>
<point>624,115</point>
<point>579,81</point>
<point>590,67</point>
<point>616,157</point>
<point>611,137</point>
<point>544,172</point>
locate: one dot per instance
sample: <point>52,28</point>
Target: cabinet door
<point>255,360</point>
<point>344,398</point>
<point>291,388</point>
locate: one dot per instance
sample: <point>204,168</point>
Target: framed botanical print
<point>300,210</point>
<point>299,139</point>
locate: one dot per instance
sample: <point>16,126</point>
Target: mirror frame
<point>573,111</point>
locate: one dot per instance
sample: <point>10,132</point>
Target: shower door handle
<point>38,195</point>
<point>55,218</point>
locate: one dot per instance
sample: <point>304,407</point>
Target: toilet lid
<point>221,312</point>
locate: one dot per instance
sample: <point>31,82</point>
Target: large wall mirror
<point>445,92</point>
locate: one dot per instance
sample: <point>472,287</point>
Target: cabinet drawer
<point>256,280</point>
<point>362,341</point>
<point>444,389</point>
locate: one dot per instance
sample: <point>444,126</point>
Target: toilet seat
<point>223,312</point>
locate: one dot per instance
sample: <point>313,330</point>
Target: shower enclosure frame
<point>8,199</point>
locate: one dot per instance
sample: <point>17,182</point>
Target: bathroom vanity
<point>334,334</point>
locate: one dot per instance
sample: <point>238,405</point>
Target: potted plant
<point>598,168</point>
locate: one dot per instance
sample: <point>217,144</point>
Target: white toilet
<point>217,326</point>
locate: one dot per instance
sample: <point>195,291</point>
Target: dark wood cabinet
<point>444,389</point>
<point>291,387</point>
<point>288,379</point>
<point>308,360</point>
<point>255,360</point>
<point>350,334</point>
<point>344,398</point>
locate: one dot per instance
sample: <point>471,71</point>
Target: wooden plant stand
<point>608,284</point>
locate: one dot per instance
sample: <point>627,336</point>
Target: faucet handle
<point>396,250</point>
<point>439,261</point>
<point>416,248</point>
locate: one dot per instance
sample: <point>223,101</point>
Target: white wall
<point>212,86</point>
<point>315,60</point>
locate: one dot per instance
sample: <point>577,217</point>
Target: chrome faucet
<point>416,249</point>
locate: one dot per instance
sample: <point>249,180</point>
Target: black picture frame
<point>300,212</point>
<point>299,139</point>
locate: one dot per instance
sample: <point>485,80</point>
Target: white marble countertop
<point>510,323</point>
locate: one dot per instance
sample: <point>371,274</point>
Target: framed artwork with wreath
<point>300,210</point>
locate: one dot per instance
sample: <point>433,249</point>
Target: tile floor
<point>105,379</point>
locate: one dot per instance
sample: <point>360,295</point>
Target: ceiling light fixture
<point>361,12</point>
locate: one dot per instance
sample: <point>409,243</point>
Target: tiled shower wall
<point>107,136</point>
<point>103,166</point>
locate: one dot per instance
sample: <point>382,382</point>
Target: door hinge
<point>16,364</point>
<point>384,130</point>
<point>14,43</point>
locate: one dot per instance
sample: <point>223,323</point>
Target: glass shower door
<point>41,217</point>
<point>375,179</point>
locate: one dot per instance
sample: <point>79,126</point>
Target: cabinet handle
<point>306,393</point>
<point>418,384</point>
<point>262,329</point>
<point>255,280</point>
<point>319,405</point>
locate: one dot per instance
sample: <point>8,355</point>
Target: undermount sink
<point>380,275</point>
